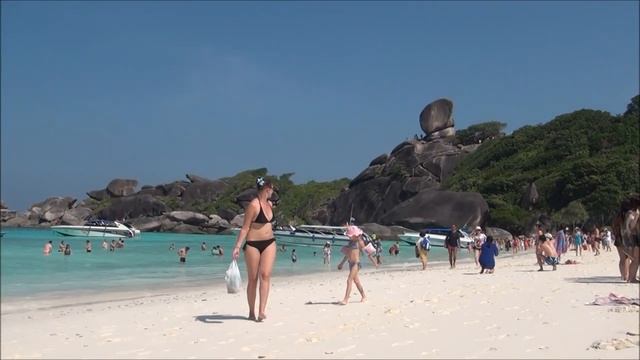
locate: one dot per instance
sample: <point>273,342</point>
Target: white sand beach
<point>516,312</point>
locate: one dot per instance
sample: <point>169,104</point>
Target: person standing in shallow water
<point>48,247</point>
<point>259,247</point>
<point>452,242</point>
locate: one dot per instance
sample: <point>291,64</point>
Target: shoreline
<point>515,312</point>
<point>13,304</point>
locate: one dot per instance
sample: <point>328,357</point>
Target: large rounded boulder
<point>439,208</point>
<point>122,187</point>
<point>437,116</point>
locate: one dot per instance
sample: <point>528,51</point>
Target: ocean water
<point>147,263</point>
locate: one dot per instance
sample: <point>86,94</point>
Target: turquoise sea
<point>146,263</point>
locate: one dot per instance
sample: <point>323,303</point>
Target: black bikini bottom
<point>259,244</point>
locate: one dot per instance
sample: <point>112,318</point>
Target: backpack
<point>425,244</point>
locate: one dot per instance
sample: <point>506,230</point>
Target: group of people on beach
<point>256,239</point>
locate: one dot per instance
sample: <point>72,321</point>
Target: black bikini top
<point>262,218</point>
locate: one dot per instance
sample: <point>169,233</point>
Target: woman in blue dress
<point>488,251</point>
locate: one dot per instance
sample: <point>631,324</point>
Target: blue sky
<point>155,90</point>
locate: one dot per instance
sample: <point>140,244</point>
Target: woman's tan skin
<point>259,266</point>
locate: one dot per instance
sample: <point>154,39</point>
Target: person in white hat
<point>478,239</point>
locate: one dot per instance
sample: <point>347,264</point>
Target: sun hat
<point>353,230</point>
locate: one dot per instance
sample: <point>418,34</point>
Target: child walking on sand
<point>353,255</point>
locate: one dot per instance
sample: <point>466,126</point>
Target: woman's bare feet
<point>343,302</point>
<point>364,299</point>
<point>252,317</point>
<point>261,317</point>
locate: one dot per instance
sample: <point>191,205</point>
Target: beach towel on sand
<point>614,299</point>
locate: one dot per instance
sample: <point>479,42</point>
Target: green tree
<point>480,132</point>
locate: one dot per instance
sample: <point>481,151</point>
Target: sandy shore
<point>439,313</point>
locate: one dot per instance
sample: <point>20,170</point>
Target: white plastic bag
<point>233,279</point>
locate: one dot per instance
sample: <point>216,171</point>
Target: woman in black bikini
<point>259,248</point>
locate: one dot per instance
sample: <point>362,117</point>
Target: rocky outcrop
<point>20,220</point>
<point>227,214</point>
<point>6,214</point>
<point>196,179</point>
<point>152,223</point>
<point>205,191</point>
<point>188,217</point>
<point>188,229</point>
<point>75,216</point>
<point>530,196</point>
<point>437,116</point>
<point>174,189</point>
<point>238,221</point>
<point>151,190</point>
<point>392,188</point>
<point>51,210</point>
<point>380,160</point>
<point>132,207</point>
<point>98,195</point>
<point>121,187</point>
<point>439,208</point>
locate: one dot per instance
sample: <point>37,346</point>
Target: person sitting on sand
<point>355,244</point>
<point>546,252</point>
<point>488,252</point>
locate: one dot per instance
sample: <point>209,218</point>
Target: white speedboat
<point>98,228</point>
<point>437,236</point>
<point>311,235</point>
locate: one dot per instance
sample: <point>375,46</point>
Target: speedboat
<point>437,236</point>
<point>311,235</point>
<point>98,228</point>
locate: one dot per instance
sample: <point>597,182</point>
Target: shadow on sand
<point>218,319</point>
<point>597,280</point>
<point>322,303</point>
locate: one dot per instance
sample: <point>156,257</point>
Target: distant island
<point>572,170</point>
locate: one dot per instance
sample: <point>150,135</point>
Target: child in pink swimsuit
<point>353,254</point>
